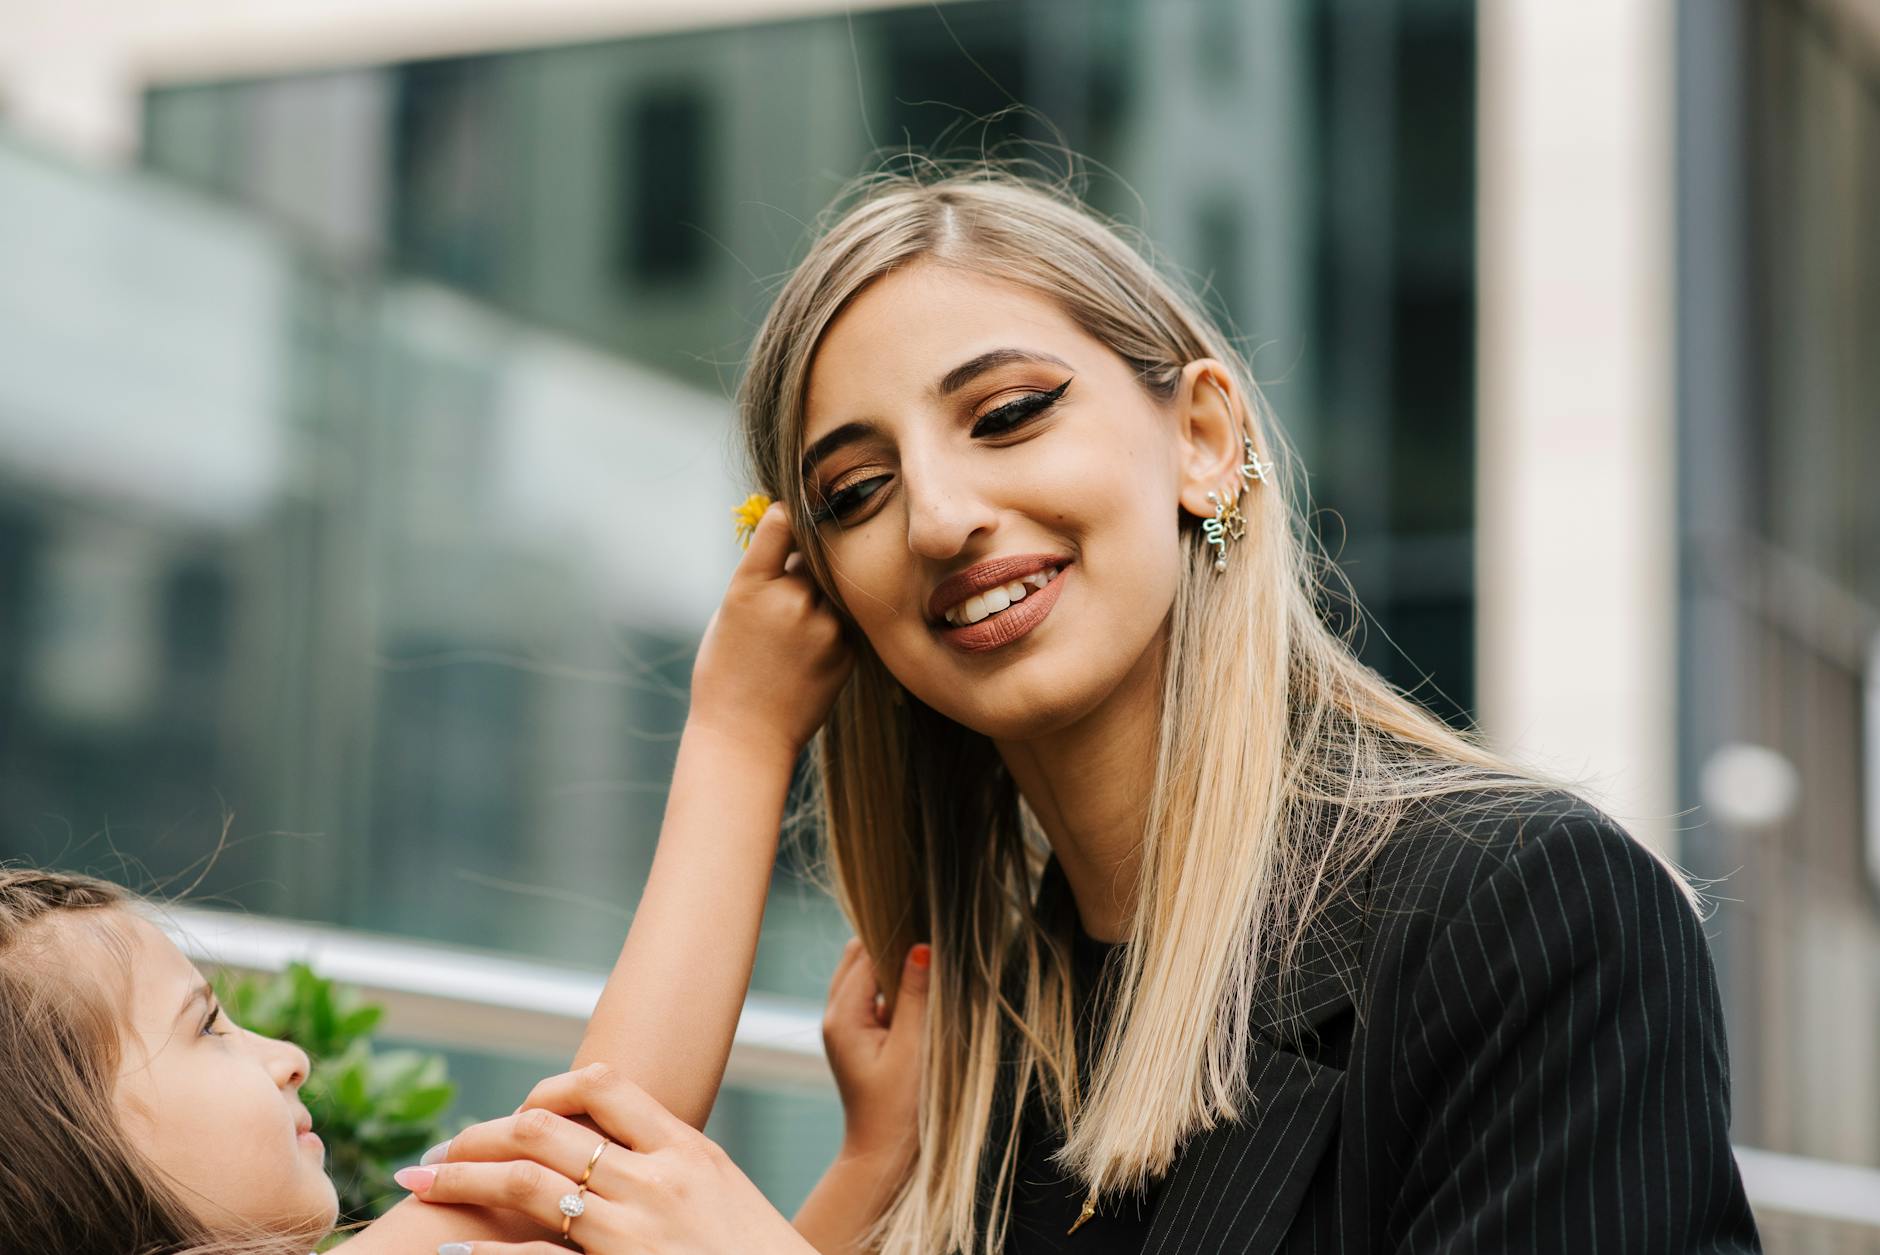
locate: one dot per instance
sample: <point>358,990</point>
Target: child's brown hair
<point>70,1179</point>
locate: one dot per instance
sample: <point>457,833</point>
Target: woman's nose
<point>941,514</point>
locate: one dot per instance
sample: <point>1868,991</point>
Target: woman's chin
<point>1014,715</point>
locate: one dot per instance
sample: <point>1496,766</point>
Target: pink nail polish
<point>417,1180</point>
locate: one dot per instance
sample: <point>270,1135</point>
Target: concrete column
<point>1576,571</point>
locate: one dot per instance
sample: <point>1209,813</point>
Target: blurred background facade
<point>365,437</point>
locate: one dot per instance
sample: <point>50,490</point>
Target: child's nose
<point>292,1065</point>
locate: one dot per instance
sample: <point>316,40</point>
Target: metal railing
<point>447,996</point>
<point>492,1003</point>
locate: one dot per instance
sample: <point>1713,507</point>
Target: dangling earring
<point>1228,522</point>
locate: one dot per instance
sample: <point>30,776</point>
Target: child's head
<point>134,1116</point>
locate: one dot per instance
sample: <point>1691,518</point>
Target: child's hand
<point>875,1052</point>
<point>773,656</point>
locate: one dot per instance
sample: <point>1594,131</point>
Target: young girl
<point>136,1118</point>
<point>1237,948</point>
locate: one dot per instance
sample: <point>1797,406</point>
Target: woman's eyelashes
<point>840,503</point>
<point>211,1020</point>
<point>1010,415</point>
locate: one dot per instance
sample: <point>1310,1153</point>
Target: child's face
<point>214,1106</point>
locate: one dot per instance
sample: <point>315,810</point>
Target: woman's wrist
<point>855,1189</point>
<point>871,1175</point>
<point>864,1153</point>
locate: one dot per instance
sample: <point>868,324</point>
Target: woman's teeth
<point>993,600</point>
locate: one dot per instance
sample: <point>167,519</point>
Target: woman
<point>1235,947</point>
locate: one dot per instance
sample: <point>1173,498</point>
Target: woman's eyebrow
<point>841,437</point>
<point>973,367</point>
<point>945,386</point>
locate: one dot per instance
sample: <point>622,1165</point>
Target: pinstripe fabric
<point>1507,1039</point>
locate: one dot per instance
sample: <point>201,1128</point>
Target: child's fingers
<point>771,543</point>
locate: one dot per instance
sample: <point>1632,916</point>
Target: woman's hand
<point>773,656</point>
<point>660,1187</point>
<point>875,1053</point>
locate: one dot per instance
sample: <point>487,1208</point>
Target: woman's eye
<point>1010,415</point>
<point>846,500</point>
<point>208,1025</point>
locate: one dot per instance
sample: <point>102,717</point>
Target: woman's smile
<point>1004,612</point>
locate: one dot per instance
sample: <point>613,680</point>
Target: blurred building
<point>1779,522</point>
<point>363,459</point>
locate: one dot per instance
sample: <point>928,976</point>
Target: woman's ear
<point>1207,431</point>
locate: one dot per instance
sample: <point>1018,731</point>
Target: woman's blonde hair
<point>70,1180</point>
<point>1282,763</point>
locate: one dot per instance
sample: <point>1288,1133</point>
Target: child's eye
<point>214,1018</point>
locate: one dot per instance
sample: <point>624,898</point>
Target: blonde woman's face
<point>215,1107</point>
<point>955,420</point>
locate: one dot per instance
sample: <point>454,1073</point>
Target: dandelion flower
<point>747,516</point>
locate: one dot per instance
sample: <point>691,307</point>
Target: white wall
<point>72,72</point>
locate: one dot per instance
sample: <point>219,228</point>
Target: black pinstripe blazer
<point>1507,1038</point>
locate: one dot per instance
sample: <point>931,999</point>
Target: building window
<point>663,189</point>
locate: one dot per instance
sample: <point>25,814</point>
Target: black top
<point>1507,1037</point>
<point>1045,1202</point>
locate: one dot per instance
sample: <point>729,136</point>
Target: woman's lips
<point>1007,625</point>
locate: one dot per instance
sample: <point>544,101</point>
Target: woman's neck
<point>1089,783</point>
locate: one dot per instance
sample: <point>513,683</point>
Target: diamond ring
<point>571,1205</point>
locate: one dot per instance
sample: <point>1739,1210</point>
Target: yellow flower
<point>747,516</point>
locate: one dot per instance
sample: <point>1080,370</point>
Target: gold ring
<point>594,1159</point>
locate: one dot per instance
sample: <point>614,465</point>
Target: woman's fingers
<point>521,1186</point>
<point>910,999</point>
<point>852,993</point>
<point>851,950</point>
<point>552,1140</point>
<point>625,1112</point>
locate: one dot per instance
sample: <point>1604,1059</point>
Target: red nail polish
<point>922,954</point>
